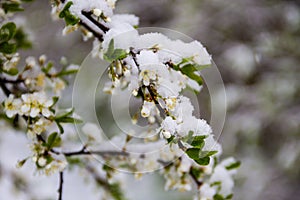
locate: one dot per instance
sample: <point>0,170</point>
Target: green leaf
<point>69,120</point>
<point>53,140</point>
<point>47,68</point>
<point>198,141</point>
<point>110,49</point>
<point>185,61</point>
<point>61,129</point>
<point>189,138</point>
<point>207,153</point>
<point>11,7</point>
<point>68,17</point>
<point>193,153</point>
<point>21,39</point>
<point>12,71</point>
<point>116,191</point>
<point>119,54</point>
<point>203,161</point>
<point>74,161</point>
<point>189,70</point>
<point>7,32</point>
<point>7,48</point>
<point>201,67</point>
<point>55,100</point>
<point>217,183</point>
<point>66,72</point>
<point>71,19</point>
<point>218,197</point>
<point>62,14</point>
<point>233,165</point>
<point>65,114</point>
<point>114,54</point>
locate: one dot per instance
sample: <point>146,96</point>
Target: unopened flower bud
<point>166,134</point>
<point>97,12</point>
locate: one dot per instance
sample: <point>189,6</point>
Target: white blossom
<point>36,103</point>
<point>12,106</point>
<point>169,125</point>
<point>38,127</point>
<point>148,109</point>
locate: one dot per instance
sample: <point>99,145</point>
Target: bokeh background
<point>255,44</point>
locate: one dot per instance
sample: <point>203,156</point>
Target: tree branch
<point>94,21</point>
<point>95,33</point>
<point>4,88</point>
<point>4,80</point>
<point>83,151</point>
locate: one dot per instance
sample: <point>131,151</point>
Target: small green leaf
<point>47,68</point>
<point>203,161</point>
<point>116,191</point>
<point>65,114</point>
<point>11,7</point>
<point>201,67</point>
<point>233,165</point>
<point>110,49</point>
<point>68,17</point>
<point>55,100</point>
<point>228,197</point>
<point>7,48</point>
<point>7,32</point>
<point>193,153</point>
<point>53,140</point>
<point>207,153</point>
<point>198,141</point>
<point>189,70</point>
<point>189,138</point>
<point>21,39</point>
<point>66,72</point>
<point>69,120</point>
<point>62,14</point>
<point>114,54</point>
<point>74,161</point>
<point>71,19</point>
<point>218,197</point>
<point>12,71</point>
<point>119,54</point>
<point>61,129</point>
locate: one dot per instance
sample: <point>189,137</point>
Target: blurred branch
<point>83,151</point>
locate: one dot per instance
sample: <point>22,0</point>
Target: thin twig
<point>61,182</point>
<point>83,151</point>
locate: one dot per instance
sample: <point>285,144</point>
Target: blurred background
<point>255,44</point>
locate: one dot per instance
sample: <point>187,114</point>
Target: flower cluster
<point>31,100</point>
<point>154,69</point>
<point>157,69</point>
